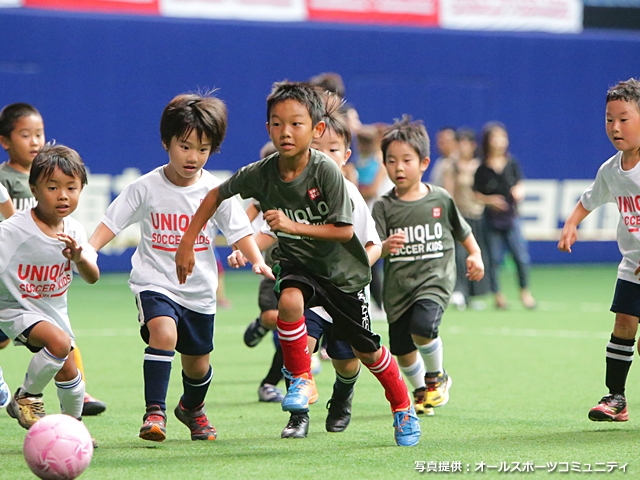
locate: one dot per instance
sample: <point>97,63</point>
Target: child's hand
<point>72,250</point>
<point>393,244</point>
<point>475,267</point>
<point>568,237</point>
<point>278,221</point>
<point>185,261</point>
<point>263,269</point>
<point>236,259</point>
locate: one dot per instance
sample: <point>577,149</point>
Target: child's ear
<point>4,142</point>
<point>33,191</point>
<point>268,131</point>
<point>347,155</point>
<point>318,129</point>
<point>424,164</point>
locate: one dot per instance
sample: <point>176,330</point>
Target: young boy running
<point>319,261</point>
<point>22,136</point>
<point>173,316</point>
<point>419,224</point>
<point>40,247</point>
<point>617,180</point>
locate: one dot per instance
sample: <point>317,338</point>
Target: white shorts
<point>15,321</point>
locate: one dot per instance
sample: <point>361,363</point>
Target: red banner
<point>406,12</point>
<point>146,7</point>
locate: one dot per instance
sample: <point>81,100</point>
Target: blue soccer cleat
<point>302,392</point>
<point>407,427</point>
<point>5,393</point>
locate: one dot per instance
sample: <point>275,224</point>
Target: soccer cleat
<point>298,426</point>
<point>437,393</point>
<point>418,400</point>
<point>154,426</point>
<point>339,414</point>
<point>92,406</point>
<point>612,408</point>
<point>270,393</point>
<point>254,333</point>
<point>5,393</point>
<point>197,422</point>
<point>302,393</point>
<point>407,427</point>
<point>26,408</point>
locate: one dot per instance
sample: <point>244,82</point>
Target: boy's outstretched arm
<point>247,245</point>
<point>569,233</point>
<point>185,258</point>
<point>475,265</point>
<point>374,252</point>
<point>101,237</point>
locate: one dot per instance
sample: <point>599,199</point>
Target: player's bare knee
<point>368,358</point>
<point>4,343</point>
<point>347,368</point>
<point>291,305</point>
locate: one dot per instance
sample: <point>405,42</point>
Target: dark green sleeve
<point>378,216</point>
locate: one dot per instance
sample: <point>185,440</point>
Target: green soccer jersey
<point>425,267</point>
<point>317,196</point>
<point>17,183</point>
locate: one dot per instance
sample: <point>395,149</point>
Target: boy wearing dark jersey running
<point>318,260</point>
<point>419,224</point>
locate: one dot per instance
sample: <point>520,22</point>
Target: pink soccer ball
<point>58,447</point>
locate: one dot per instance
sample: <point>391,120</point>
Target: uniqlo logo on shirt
<point>314,193</point>
<point>436,212</point>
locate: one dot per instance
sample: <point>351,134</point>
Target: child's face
<point>333,146</point>
<point>186,158</point>
<point>291,129</point>
<point>404,165</point>
<point>57,195</point>
<point>623,125</point>
<point>26,139</point>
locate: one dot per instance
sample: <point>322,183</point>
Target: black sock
<point>195,390</point>
<point>619,356</point>
<point>275,372</point>
<point>343,387</point>
<point>156,372</point>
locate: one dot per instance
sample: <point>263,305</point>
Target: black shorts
<point>626,298</point>
<point>318,326</point>
<point>349,311</point>
<point>195,330</point>
<point>267,299</point>
<point>422,319</point>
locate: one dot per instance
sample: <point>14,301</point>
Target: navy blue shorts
<point>318,326</point>
<point>422,319</point>
<point>3,337</point>
<point>626,298</point>
<point>195,330</point>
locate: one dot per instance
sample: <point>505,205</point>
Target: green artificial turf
<point>523,382</point>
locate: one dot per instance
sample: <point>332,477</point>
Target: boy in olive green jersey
<point>318,261</point>
<point>419,224</point>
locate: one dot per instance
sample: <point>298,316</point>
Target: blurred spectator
<point>448,148</point>
<point>498,184</point>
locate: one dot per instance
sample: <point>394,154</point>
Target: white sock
<point>415,373</point>
<point>71,396</point>
<point>432,355</point>
<point>42,368</point>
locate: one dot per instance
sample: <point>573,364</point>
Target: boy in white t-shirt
<point>618,181</point>
<point>174,317</point>
<point>40,248</point>
<point>6,205</point>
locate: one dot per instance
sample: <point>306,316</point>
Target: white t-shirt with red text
<point>35,275</point>
<point>613,184</point>
<point>164,211</point>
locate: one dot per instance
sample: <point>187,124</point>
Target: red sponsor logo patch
<point>314,193</point>
<point>437,211</point>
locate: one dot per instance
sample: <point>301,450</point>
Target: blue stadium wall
<point>101,82</point>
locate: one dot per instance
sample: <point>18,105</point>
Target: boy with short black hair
<point>319,261</point>
<point>617,180</point>
<point>175,317</point>
<point>33,305</point>
<point>419,224</point>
